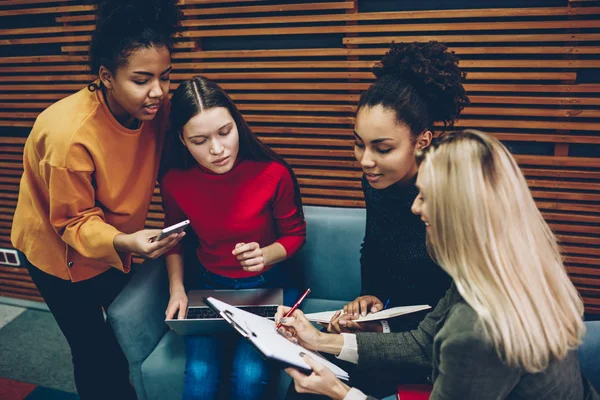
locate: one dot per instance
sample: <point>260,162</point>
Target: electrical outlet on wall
<point>9,257</point>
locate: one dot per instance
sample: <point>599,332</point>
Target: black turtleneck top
<point>394,261</point>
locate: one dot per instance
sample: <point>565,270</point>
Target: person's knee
<point>250,375</point>
<point>202,370</point>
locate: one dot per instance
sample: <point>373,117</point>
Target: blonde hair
<point>488,234</point>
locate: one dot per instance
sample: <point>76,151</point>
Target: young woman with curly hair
<point>417,85</point>
<point>90,167</point>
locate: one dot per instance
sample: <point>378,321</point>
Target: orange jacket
<point>86,178</point>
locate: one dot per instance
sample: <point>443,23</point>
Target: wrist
<point>330,343</point>
<point>176,289</point>
<point>121,243</point>
<point>266,256</point>
<point>340,391</point>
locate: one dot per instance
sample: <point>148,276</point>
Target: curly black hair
<point>123,26</point>
<point>421,82</point>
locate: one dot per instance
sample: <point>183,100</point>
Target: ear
<point>181,138</point>
<point>424,139</point>
<point>106,77</point>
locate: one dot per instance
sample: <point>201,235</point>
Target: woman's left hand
<point>250,256</point>
<point>320,381</point>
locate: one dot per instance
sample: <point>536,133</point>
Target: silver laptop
<point>202,320</point>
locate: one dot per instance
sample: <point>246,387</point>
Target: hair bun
<point>433,71</point>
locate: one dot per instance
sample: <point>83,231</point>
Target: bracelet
<point>386,326</point>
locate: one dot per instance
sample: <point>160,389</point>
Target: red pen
<point>294,307</point>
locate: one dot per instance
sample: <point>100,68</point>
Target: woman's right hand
<point>343,321</point>
<point>177,305</point>
<point>363,305</point>
<point>297,328</point>
<point>143,244</point>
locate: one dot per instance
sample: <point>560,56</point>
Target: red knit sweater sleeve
<point>173,213</point>
<point>291,226</point>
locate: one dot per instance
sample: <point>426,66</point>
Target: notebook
<point>203,320</point>
<point>326,316</point>
<point>273,346</point>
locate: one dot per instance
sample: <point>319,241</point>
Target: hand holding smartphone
<point>177,228</point>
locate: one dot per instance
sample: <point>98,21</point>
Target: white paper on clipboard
<point>261,332</point>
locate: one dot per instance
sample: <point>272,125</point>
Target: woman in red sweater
<point>244,206</point>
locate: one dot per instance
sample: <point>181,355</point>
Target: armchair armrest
<point>137,315</point>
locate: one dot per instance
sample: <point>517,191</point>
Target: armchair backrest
<point>329,263</point>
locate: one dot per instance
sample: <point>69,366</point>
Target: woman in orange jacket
<point>90,167</point>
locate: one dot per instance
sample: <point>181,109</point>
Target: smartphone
<point>177,228</point>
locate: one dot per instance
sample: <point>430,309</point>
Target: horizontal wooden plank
<point>8,293</point>
<point>46,30</point>
<point>42,59</point>
<point>516,38</point>
<point>594,251</point>
<point>563,228</point>
<point>527,124</point>
<point>571,207</point>
<point>379,16</point>
<point>537,100</point>
<point>177,45</point>
<point>429,26</point>
<point>347,5</point>
<point>561,173</point>
<point>45,40</point>
<point>547,138</point>
<point>46,10</point>
<point>349,52</point>
<point>562,217</point>
<point>40,68</point>
<point>6,3</point>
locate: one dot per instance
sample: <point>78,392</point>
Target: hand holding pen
<point>294,307</point>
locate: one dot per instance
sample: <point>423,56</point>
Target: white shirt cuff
<point>350,349</point>
<point>355,394</point>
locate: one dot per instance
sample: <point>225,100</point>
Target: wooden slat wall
<point>526,78</point>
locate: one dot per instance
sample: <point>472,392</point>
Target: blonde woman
<point>510,324</point>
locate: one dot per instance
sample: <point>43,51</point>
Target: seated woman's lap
<point>217,365</point>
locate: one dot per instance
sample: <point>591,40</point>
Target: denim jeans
<point>229,366</point>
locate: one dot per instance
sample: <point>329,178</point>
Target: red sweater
<point>254,202</point>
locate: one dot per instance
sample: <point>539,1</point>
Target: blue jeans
<point>221,365</point>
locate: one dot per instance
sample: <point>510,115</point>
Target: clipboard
<point>263,336</point>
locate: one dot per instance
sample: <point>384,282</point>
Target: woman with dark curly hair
<point>90,167</point>
<point>417,85</point>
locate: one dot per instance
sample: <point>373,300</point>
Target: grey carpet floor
<point>33,349</point>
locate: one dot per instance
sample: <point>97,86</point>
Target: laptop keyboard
<point>207,313</point>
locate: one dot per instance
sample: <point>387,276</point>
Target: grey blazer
<point>465,363</point>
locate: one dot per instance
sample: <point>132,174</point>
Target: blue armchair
<point>328,264</point>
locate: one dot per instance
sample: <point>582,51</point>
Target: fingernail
<point>288,334</point>
<point>363,313</point>
<point>294,340</point>
<point>280,330</point>
<point>342,322</point>
<point>283,320</point>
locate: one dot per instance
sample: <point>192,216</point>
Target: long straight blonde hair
<point>488,234</point>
